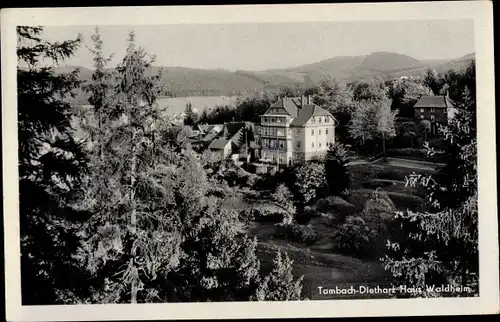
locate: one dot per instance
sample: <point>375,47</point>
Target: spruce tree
<point>336,170</point>
<point>132,239</point>
<point>280,285</point>
<point>51,165</point>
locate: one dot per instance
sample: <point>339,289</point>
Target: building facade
<point>434,110</point>
<point>294,130</point>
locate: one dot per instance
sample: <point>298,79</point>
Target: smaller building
<point>223,147</point>
<point>434,110</point>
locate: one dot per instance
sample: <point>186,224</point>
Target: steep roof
<point>289,104</point>
<point>306,112</point>
<point>218,144</point>
<point>438,101</point>
<point>233,127</point>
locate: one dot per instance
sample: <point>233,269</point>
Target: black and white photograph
<point>289,161</point>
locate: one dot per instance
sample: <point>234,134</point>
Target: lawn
<point>328,269</point>
<point>318,264</point>
<point>410,164</point>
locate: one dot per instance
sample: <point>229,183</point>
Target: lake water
<point>178,104</point>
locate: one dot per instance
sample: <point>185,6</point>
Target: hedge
<point>297,233</point>
<point>414,154</point>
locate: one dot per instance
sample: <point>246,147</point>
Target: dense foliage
<point>150,227</point>
<point>51,167</point>
<point>442,244</point>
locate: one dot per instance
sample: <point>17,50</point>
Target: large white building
<point>294,130</point>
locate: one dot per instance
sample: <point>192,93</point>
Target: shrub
<point>297,233</point>
<point>361,196</point>
<point>267,212</point>
<point>355,237</point>
<point>405,201</point>
<point>337,205</point>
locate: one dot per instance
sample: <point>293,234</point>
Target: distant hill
<point>181,81</point>
<point>388,62</point>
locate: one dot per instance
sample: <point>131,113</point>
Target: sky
<point>261,46</point>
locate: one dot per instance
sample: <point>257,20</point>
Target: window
<point>313,144</point>
<point>433,118</point>
<point>319,132</point>
<point>320,119</point>
<point>320,144</point>
<point>281,144</point>
<point>298,144</point>
<point>272,120</point>
<point>421,116</point>
<point>421,110</point>
<point>433,110</point>
<point>326,131</point>
<point>312,131</point>
<point>297,132</point>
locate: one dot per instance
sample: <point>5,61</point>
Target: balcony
<point>275,135</point>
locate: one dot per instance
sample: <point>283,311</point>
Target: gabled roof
<point>306,112</point>
<point>289,104</point>
<point>438,101</point>
<point>233,127</point>
<point>218,144</point>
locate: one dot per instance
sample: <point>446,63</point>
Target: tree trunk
<point>133,215</point>
<point>133,295</point>
<point>383,144</point>
<point>99,138</point>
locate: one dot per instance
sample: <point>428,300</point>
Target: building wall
<point>296,144</point>
<point>426,113</point>
<point>318,137</point>
<point>434,115</point>
<point>227,150</point>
